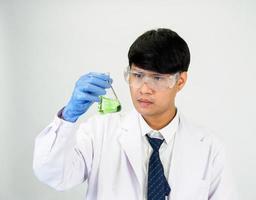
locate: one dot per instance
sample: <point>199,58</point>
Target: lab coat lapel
<point>187,162</point>
<point>175,170</point>
<point>130,140</point>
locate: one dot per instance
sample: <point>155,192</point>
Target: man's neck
<point>158,122</point>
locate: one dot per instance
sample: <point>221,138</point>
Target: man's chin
<point>145,112</point>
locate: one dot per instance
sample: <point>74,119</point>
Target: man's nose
<point>145,89</point>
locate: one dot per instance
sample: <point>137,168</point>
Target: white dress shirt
<point>165,152</point>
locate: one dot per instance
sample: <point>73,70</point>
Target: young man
<point>151,153</point>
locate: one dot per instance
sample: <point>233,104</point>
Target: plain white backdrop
<point>45,46</point>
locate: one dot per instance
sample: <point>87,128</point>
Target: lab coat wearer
<point>106,151</point>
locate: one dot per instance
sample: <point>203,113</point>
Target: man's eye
<point>137,75</point>
<point>158,78</point>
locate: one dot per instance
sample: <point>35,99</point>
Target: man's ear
<point>181,81</point>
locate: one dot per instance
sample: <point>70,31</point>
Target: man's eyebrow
<point>145,71</point>
<point>138,70</point>
<point>157,74</point>
<point>150,73</point>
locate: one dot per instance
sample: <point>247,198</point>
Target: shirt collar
<point>167,132</point>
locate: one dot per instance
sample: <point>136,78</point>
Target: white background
<point>45,46</point>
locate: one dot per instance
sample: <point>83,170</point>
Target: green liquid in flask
<point>108,105</point>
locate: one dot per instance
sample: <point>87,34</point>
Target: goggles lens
<point>155,81</point>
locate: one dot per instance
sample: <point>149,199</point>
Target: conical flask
<point>109,103</point>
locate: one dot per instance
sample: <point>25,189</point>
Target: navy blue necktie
<point>158,186</point>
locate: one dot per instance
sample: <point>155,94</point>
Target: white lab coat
<point>107,151</point>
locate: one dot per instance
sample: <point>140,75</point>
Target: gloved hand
<point>87,90</point>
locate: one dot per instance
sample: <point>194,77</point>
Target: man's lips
<point>144,102</point>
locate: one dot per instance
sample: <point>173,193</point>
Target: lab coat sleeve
<point>222,185</point>
<point>62,155</point>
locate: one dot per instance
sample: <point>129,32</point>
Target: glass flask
<point>109,104</point>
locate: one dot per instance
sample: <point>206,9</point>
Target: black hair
<point>161,50</point>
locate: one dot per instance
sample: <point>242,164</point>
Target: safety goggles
<point>137,77</point>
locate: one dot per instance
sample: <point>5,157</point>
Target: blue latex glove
<point>87,90</point>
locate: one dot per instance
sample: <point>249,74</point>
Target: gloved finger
<point>95,81</point>
<point>96,90</point>
<point>87,96</point>
<point>99,82</point>
<point>102,76</point>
